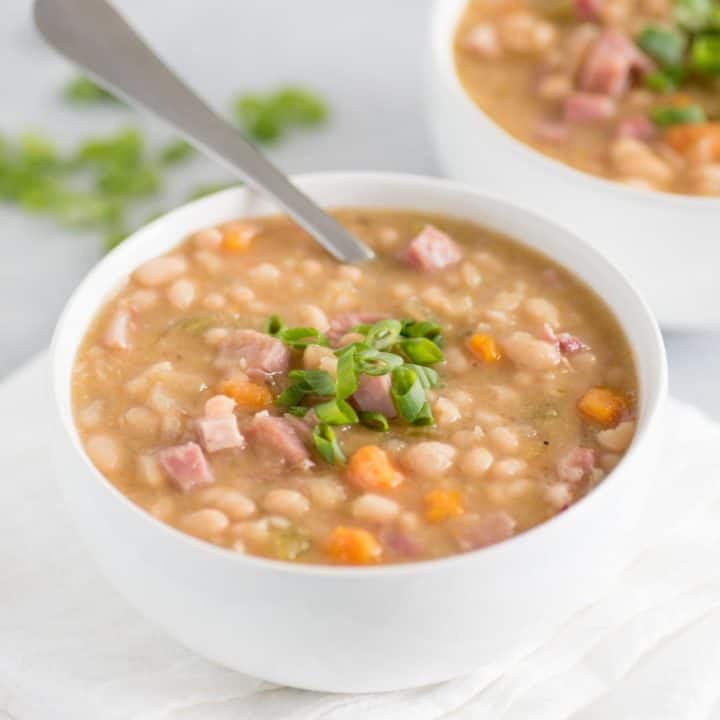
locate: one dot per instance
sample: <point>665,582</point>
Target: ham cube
<point>639,127</point>
<point>219,433</point>
<point>588,9</point>
<point>279,436</point>
<point>185,466</point>
<point>570,344</point>
<point>576,465</point>
<point>475,531</point>
<point>583,107</point>
<point>260,356</point>
<point>373,395</point>
<point>343,324</point>
<point>610,63</point>
<point>431,250</point>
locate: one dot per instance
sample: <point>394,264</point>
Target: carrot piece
<point>353,546</point>
<point>370,468</point>
<point>602,406</point>
<point>246,394</point>
<point>236,237</point>
<point>442,504</point>
<point>484,348</point>
<point>684,138</point>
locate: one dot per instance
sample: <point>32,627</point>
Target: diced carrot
<point>442,504</point>
<point>248,395</point>
<point>684,138</point>
<point>353,546</point>
<point>370,468</point>
<point>602,406</point>
<point>236,237</point>
<point>484,348</point>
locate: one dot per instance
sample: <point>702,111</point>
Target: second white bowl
<point>667,244</point>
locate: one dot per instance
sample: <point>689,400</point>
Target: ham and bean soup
<point>251,391</point>
<point>624,89</point>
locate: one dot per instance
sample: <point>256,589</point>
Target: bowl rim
<point>444,19</point>
<point>655,391</point>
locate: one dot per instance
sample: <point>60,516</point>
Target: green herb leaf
<point>298,106</point>
<point>421,351</point>
<point>665,46</point>
<point>705,54</point>
<point>83,90</point>
<point>677,115</point>
<point>175,152</point>
<point>374,421</point>
<point>336,412</point>
<point>408,393</point>
<point>327,445</point>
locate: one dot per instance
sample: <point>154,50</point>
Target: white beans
<point>555,86</point>
<point>429,459</point>
<point>508,468</point>
<point>181,294</point>
<point>482,41</point>
<point>313,316</point>
<point>208,238</point>
<point>236,505</point>
<point>214,301</point>
<point>105,452</point>
<point>160,271</point>
<point>289,503</point>
<point>325,492</point>
<point>149,471</point>
<point>530,353</point>
<point>523,32</point>
<point>633,158</point>
<point>558,495</point>
<point>456,360</point>
<point>504,439</point>
<point>542,311</point>
<point>241,293</point>
<point>142,300</point>
<point>445,411</point>
<point>207,523</point>
<point>214,336</point>
<point>476,462</point>
<point>350,273</point>
<point>265,273</point>
<point>91,415</point>
<point>375,508</point>
<point>617,439</point>
<point>141,421</point>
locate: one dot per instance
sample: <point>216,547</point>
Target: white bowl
<point>360,629</point>
<point>667,244</point>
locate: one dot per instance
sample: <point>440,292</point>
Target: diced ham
<point>474,531</point>
<point>303,426</point>
<point>639,127</point>
<point>609,64</point>
<point>551,131</point>
<point>585,107</point>
<point>278,435</point>
<point>373,395</point>
<point>400,543</point>
<point>219,433</point>
<point>342,324</point>
<point>117,335</point>
<point>576,465</point>
<point>588,9</point>
<point>431,250</point>
<point>570,344</point>
<point>260,356</point>
<point>185,466</point>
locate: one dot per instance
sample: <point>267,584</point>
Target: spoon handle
<point>96,37</point>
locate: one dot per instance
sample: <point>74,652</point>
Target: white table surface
<point>367,58</point>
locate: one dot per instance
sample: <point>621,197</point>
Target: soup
<point>622,89</point>
<point>455,391</point>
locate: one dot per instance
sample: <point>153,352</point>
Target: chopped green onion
<point>374,362</point>
<point>298,410</point>
<point>408,393</point>
<point>428,377</point>
<point>346,376</point>
<point>422,328</point>
<point>374,421</point>
<point>665,80</point>
<point>300,337</point>
<point>705,54</point>
<point>692,14</point>
<point>83,90</point>
<point>327,445</point>
<point>665,46</point>
<point>273,325</point>
<point>424,417</point>
<point>421,351</point>
<point>383,334</point>
<point>336,412</point>
<point>677,115</point>
<point>176,152</point>
<point>303,383</point>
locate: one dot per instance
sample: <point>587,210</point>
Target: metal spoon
<point>96,37</point>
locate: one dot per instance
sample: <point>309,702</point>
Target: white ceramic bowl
<point>360,629</point>
<point>666,244</point>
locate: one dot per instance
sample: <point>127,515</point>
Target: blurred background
<point>365,60</point>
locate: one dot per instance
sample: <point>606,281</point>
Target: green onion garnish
<point>408,393</point>
<point>346,379</point>
<point>327,445</point>
<point>374,421</point>
<point>422,351</point>
<point>693,14</point>
<point>665,46</point>
<point>307,383</point>
<point>336,412</point>
<point>665,80</point>
<point>678,115</point>
<point>705,54</point>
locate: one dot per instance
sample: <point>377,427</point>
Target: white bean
<point>325,492</point>
<point>219,406</point>
<point>429,459</point>
<point>207,523</point>
<point>617,439</point>
<point>265,273</point>
<point>530,353</point>
<point>542,311</point>
<point>214,301</point>
<point>508,468</point>
<point>149,471</point>
<point>504,439</point>
<point>289,503</point>
<point>236,505</point>
<point>313,316</point>
<point>181,294</point>
<point>160,270</point>
<point>558,495</point>
<point>445,411</point>
<point>375,508</point>
<point>141,421</point>
<point>241,293</point>
<point>208,238</point>
<point>633,158</point>
<point>476,462</point>
<point>105,452</point>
